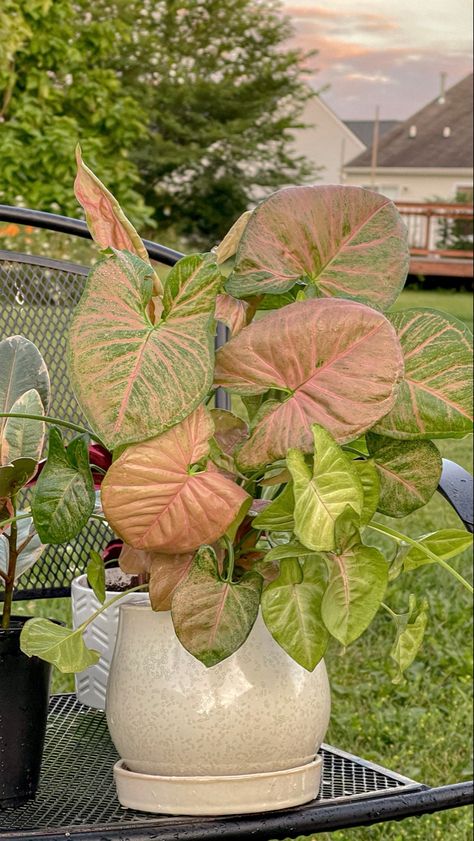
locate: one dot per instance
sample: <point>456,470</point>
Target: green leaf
<point>358,577</point>
<point>342,241</point>
<point>22,437</point>
<point>369,479</point>
<point>278,516</point>
<point>291,609</point>
<point>15,475</point>
<point>64,497</point>
<point>134,379</point>
<point>96,576</point>
<point>212,617</point>
<point>60,646</point>
<point>29,544</point>
<point>22,368</point>
<point>288,550</point>
<point>409,472</point>
<point>411,628</point>
<point>435,397</point>
<point>445,543</point>
<point>322,494</point>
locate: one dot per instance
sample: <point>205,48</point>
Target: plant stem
<point>403,538</point>
<point>356,452</point>
<point>56,422</point>
<point>230,559</point>
<point>10,579</point>
<point>15,519</point>
<point>107,604</point>
<point>389,610</point>
<point>98,517</point>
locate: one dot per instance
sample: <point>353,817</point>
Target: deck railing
<point>441,234</point>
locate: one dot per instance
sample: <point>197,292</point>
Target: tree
<point>184,107</point>
<point>58,86</point>
<point>223,93</point>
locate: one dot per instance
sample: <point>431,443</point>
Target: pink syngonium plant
<point>335,407</point>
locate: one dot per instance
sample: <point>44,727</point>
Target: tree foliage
<point>189,103</point>
<point>58,87</point>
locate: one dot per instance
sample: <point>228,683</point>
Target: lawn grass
<point>423,728</point>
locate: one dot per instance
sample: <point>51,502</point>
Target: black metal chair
<point>77,794</point>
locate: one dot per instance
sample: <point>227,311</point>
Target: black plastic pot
<point>24,694</point>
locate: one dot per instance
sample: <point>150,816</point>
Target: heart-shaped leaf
<point>411,628</point>
<point>409,472</point>
<point>358,577</point>
<point>212,617</point>
<point>323,493</point>
<point>291,609</point>
<point>278,514</point>
<point>338,366</point>
<point>167,572</point>
<point>370,482</point>
<point>22,437</point>
<point>64,496</point>
<point>15,475</point>
<point>435,396</point>
<point>96,576</point>
<point>135,379</point>
<point>60,646</point>
<point>232,313</point>
<point>445,543</point>
<point>155,498</point>
<point>343,241</point>
<point>29,547</point>
<point>22,368</point>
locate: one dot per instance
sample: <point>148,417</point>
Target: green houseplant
<point>269,507</point>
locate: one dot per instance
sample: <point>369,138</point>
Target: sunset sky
<point>383,52</point>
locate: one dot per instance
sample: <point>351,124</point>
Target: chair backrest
<point>37,297</point>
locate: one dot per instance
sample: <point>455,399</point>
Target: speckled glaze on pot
<point>168,714</point>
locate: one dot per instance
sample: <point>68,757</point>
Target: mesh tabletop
<point>77,791</point>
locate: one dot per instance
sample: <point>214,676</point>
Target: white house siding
<point>328,143</point>
<point>412,185</point>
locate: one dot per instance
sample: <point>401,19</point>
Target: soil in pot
<point>24,695</point>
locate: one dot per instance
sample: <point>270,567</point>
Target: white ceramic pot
<point>257,717</point>
<point>91,684</point>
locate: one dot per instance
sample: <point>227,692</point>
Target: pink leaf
<point>338,362</point>
<point>344,241</point>
<point>154,497</point>
<point>231,312</point>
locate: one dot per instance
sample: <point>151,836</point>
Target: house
<point>327,143</point>
<point>428,156</point>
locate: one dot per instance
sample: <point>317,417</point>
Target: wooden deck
<point>435,233</point>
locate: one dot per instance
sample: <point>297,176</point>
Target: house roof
<point>364,129</point>
<point>430,148</point>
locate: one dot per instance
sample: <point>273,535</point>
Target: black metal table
<point>77,796</point>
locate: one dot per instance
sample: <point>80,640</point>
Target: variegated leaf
<point>229,430</point>
<point>358,577</point>
<point>165,571</point>
<point>163,494</point>
<point>28,543</point>
<point>106,220</point>
<point>213,617</point>
<point>323,493</point>
<point>232,313</point>
<point>277,515</point>
<point>22,368</point>
<point>344,241</point>
<point>369,479</point>
<point>15,475</point>
<point>22,437</point>
<point>338,365</point>
<point>291,610</point>
<point>132,378</point>
<point>409,472</point>
<point>445,543</point>
<point>435,396</point>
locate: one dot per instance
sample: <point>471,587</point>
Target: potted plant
<point>253,526</point>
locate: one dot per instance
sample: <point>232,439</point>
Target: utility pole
<point>375,147</point>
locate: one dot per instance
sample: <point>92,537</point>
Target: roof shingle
<point>430,148</point>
